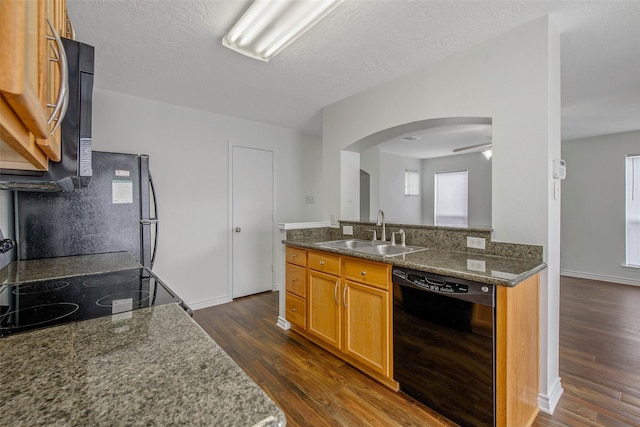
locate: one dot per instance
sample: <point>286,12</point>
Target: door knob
<point>238,229</point>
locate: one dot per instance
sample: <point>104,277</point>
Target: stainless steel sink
<point>349,244</point>
<point>371,247</point>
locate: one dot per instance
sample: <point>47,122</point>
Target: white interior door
<point>252,221</point>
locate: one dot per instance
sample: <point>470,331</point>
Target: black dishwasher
<point>444,344</point>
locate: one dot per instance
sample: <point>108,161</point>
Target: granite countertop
<point>56,268</point>
<point>489,269</point>
<point>153,366</point>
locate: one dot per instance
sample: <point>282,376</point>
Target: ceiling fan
<point>470,147</point>
<point>487,153</point>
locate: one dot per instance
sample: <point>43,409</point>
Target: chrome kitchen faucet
<point>380,221</point>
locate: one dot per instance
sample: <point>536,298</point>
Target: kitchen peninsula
<point>363,307</point>
<point>150,366</point>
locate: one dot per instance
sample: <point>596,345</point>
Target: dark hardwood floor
<point>599,364</point>
<point>599,355</point>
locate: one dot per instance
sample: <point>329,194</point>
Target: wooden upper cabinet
<point>31,79</point>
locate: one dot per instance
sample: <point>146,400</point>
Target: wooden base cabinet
<point>296,287</point>
<point>325,313</point>
<point>349,311</point>
<point>517,351</point>
<point>368,315</point>
<point>366,326</point>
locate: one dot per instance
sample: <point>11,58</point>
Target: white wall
<point>593,208</point>
<point>189,158</point>
<point>350,190</point>
<point>396,206</point>
<point>515,80</point>
<point>479,185</point>
<point>370,163</point>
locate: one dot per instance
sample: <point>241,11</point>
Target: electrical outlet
<point>347,229</point>
<point>333,219</point>
<point>476,265</point>
<point>475,242</point>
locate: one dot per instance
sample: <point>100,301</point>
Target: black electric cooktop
<point>41,304</point>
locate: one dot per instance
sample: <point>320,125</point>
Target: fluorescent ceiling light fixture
<point>269,26</point>
<point>487,154</point>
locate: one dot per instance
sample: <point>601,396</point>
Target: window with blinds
<point>411,183</point>
<point>451,199</point>
<point>632,216</point>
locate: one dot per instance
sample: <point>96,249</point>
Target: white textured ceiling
<point>170,51</point>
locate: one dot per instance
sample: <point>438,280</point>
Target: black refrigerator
<point>116,212</point>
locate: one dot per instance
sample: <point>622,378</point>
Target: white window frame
<point>411,182</point>
<point>451,211</point>
<point>632,211</point>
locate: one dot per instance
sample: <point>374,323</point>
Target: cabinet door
<point>29,84</point>
<point>367,335</point>
<point>23,23</point>
<point>324,313</point>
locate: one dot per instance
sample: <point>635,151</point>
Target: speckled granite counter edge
<point>70,266</point>
<point>469,275</point>
<point>103,371</point>
<point>398,261</point>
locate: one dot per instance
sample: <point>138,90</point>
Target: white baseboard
<point>547,402</point>
<point>283,323</point>
<point>600,277</point>
<point>197,305</point>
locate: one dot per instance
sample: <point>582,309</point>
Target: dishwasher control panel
<point>449,288</point>
<point>459,288</point>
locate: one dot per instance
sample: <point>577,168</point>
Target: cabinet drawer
<point>324,262</point>
<point>297,280</point>
<point>296,310</point>
<point>369,273</point>
<point>297,256</point>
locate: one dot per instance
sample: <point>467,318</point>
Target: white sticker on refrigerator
<point>123,173</point>
<point>122,191</point>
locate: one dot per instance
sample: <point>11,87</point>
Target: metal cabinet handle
<point>335,292</point>
<point>60,107</point>
<point>294,279</point>
<point>293,255</point>
<point>363,273</point>
<point>293,309</point>
<point>321,262</point>
<point>344,296</point>
<point>238,229</point>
